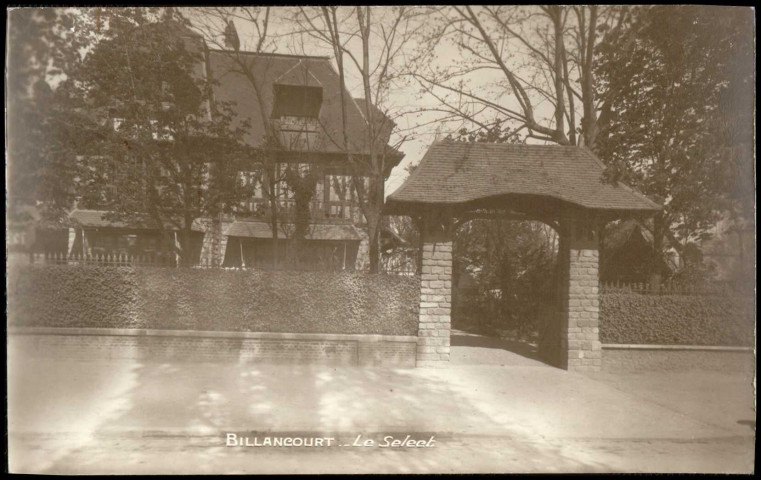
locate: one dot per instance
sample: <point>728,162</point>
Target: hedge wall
<point>635,318</point>
<point>196,299</point>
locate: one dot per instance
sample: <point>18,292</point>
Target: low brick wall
<point>619,359</point>
<point>89,344</point>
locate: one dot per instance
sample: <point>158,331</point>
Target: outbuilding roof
<point>99,219</point>
<point>316,231</point>
<point>460,173</point>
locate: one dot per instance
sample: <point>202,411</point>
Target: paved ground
<point>72,416</point>
<point>473,349</point>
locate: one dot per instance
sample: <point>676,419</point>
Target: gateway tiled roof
<point>317,231</point>
<point>457,173</point>
<point>97,219</point>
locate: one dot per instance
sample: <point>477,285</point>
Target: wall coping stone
<point>138,332</point>
<point>617,346</point>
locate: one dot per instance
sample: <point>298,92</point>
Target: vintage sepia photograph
<point>380,239</point>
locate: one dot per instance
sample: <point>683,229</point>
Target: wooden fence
<point>672,288</point>
<point>168,260</point>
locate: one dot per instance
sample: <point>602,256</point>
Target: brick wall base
<point>212,347</point>
<point>677,360</point>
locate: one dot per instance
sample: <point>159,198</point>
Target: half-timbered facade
<point>302,121</point>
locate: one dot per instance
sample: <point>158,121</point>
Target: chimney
<point>231,36</point>
<point>437,135</point>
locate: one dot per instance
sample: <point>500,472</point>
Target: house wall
<point>328,206</point>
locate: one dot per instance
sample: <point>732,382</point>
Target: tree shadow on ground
<point>199,403</point>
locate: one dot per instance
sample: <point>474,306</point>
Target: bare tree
<point>368,42</point>
<point>540,60</point>
<point>217,26</point>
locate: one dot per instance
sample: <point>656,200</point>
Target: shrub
<point>196,299</point>
<point>634,318</point>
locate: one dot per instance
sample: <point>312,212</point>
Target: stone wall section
<point>571,338</point>
<point>435,304</point>
<point>268,348</point>
<point>584,347</point>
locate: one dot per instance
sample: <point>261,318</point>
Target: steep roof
<point>234,86</point>
<point>453,173</point>
<point>618,235</point>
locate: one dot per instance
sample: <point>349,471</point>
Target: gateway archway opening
<point>504,288</point>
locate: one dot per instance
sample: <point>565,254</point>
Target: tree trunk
<point>558,67</point>
<point>270,178</point>
<point>590,125</point>
<point>373,233</point>
<point>185,239</point>
<point>659,232</point>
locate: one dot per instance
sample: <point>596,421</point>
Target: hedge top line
<point>671,288</point>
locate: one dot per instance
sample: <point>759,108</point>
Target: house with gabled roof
<point>298,100</point>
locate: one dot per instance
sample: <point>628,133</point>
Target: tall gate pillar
<point>435,291</point>
<point>572,340</point>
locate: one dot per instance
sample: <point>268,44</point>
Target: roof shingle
<point>453,173</point>
<point>270,69</point>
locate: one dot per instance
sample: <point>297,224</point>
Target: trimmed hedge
<point>223,300</point>
<point>635,318</point>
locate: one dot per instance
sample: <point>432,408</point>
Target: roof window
<point>297,101</point>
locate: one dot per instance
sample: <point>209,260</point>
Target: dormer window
<point>296,111</point>
<point>297,101</point>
